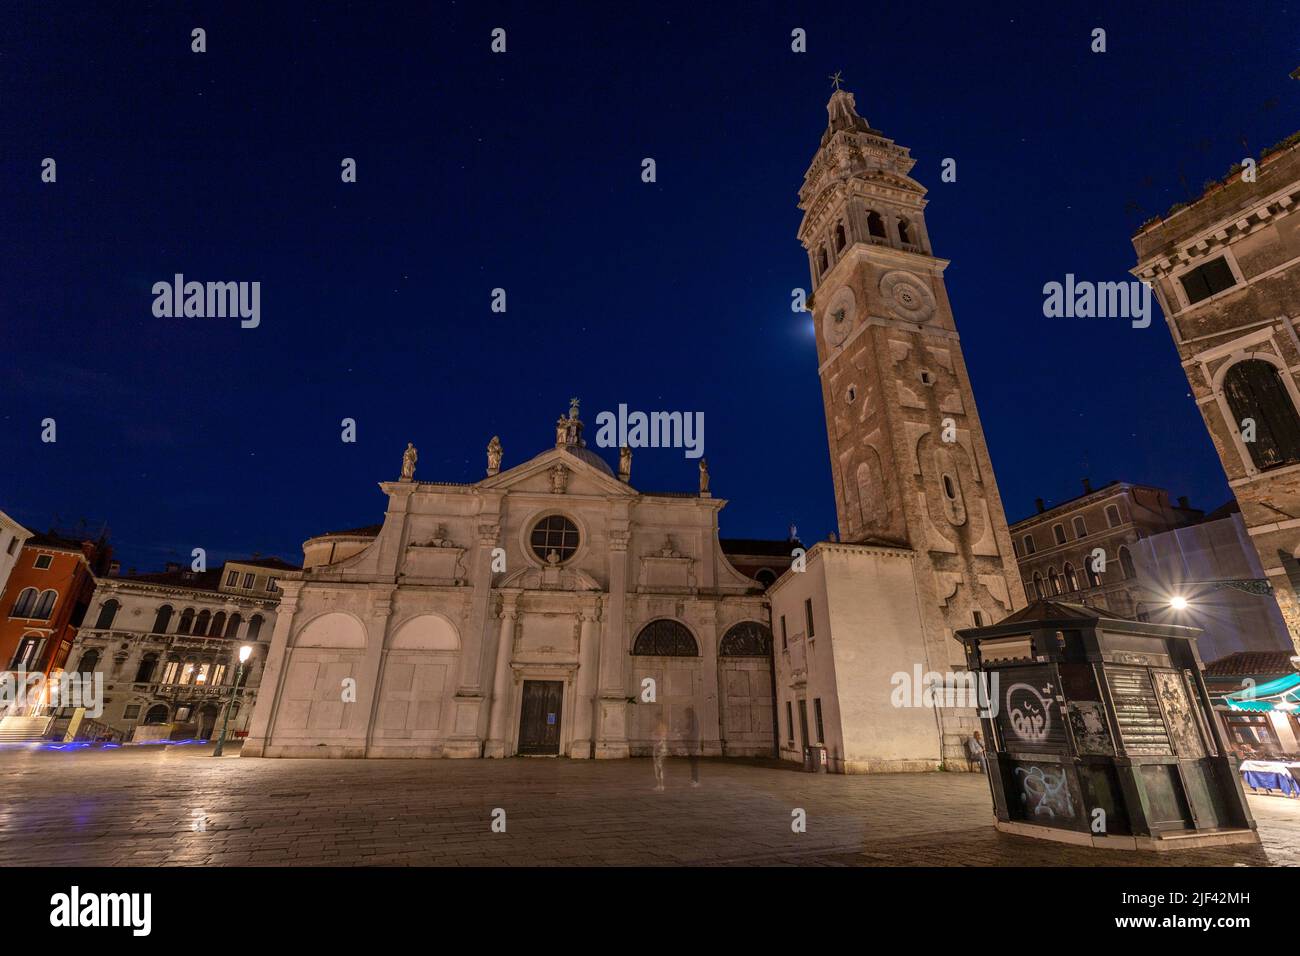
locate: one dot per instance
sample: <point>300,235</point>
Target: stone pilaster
<point>508,620</point>
<point>585,685</point>
<point>611,720</point>
<point>272,682</point>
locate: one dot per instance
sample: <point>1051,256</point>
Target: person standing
<point>692,743</point>
<point>660,753</point>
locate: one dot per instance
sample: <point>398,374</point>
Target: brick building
<point>1224,269</point>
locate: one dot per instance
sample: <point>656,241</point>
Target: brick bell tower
<point>908,454</point>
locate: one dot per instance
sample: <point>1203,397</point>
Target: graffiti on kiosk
<point>1028,712</point>
<point>1044,792</point>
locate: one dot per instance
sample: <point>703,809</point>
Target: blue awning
<point>1263,698</point>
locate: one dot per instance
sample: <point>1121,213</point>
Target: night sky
<point>522,171</point>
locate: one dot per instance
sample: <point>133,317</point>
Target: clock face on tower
<point>838,321</point>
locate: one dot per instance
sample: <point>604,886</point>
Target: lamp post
<point>244,652</point>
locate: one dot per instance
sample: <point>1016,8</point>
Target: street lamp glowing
<point>1178,602</point>
<point>245,652</point>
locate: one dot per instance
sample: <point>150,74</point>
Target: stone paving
<point>176,805</point>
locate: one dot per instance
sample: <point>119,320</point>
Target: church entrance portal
<point>539,717</point>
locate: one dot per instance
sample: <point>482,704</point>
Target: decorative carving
<point>409,458</point>
<point>494,455</point>
<point>559,479</point>
<point>625,464</point>
<point>907,297</point>
<point>704,478</point>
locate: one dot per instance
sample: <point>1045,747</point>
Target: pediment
<point>539,476</point>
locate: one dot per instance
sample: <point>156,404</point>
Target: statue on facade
<point>625,464</point>
<point>559,479</point>
<point>409,458</point>
<point>704,477</point>
<point>494,455</point>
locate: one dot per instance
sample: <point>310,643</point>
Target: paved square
<point>176,805</point>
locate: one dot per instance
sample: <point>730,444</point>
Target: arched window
<point>232,626</point>
<point>665,638</point>
<point>89,661</point>
<point>1054,580</point>
<point>218,628</point>
<point>875,225</point>
<point>45,606</point>
<point>1255,390</point>
<point>163,619</point>
<point>840,240</point>
<point>1038,586</point>
<point>822,261</point>
<point>201,623</point>
<point>746,639</point>
<point>1112,516</point>
<point>171,670</point>
<point>254,627</point>
<point>107,612</point>
<point>949,489</point>
<point>1071,582</point>
<point>1080,527</point>
<point>1058,532</point>
<point>148,664</point>
<point>26,601</point>
<point>186,622</point>
<point>904,230</point>
<point>157,714</point>
<point>1094,579</point>
<point>1029,544</point>
<point>1126,564</point>
<point>766,577</point>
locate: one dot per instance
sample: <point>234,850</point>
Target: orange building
<point>45,599</point>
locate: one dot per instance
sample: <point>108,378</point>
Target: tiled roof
<point>759,546</point>
<point>45,539</point>
<point>275,564</point>
<point>366,531</point>
<point>196,580</point>
<point>1251,663</point>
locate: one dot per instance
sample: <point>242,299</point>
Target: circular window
<point>556,535</point>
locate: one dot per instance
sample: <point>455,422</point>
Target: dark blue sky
<point>522,171</point>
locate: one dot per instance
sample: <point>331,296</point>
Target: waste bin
<point>814,759</point>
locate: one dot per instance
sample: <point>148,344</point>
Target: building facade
<point>1058,548</point>
<point>43,606</point>
<point>12,538</point>
<point>921,524</point>
<point>547,609</point>
<point>1126,549</point>
<point>1226,272</point>
<point>167,645</point>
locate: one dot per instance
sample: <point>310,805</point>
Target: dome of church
<point>590,457</point>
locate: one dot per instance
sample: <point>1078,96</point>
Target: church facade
<point>550,608</point>
<point>553,608</point>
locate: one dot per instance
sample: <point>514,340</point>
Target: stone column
<point>496,738</point>
<point>710,742</point>
<point>272,683</point>
<point>585,685</point>
<point>611,720</point>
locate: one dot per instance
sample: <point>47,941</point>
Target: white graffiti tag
<point>1028,712</point>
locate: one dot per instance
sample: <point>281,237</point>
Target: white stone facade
<point>453,633</point>
<point>12,537</point>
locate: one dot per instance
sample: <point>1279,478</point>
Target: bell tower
<point>908,455</point>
